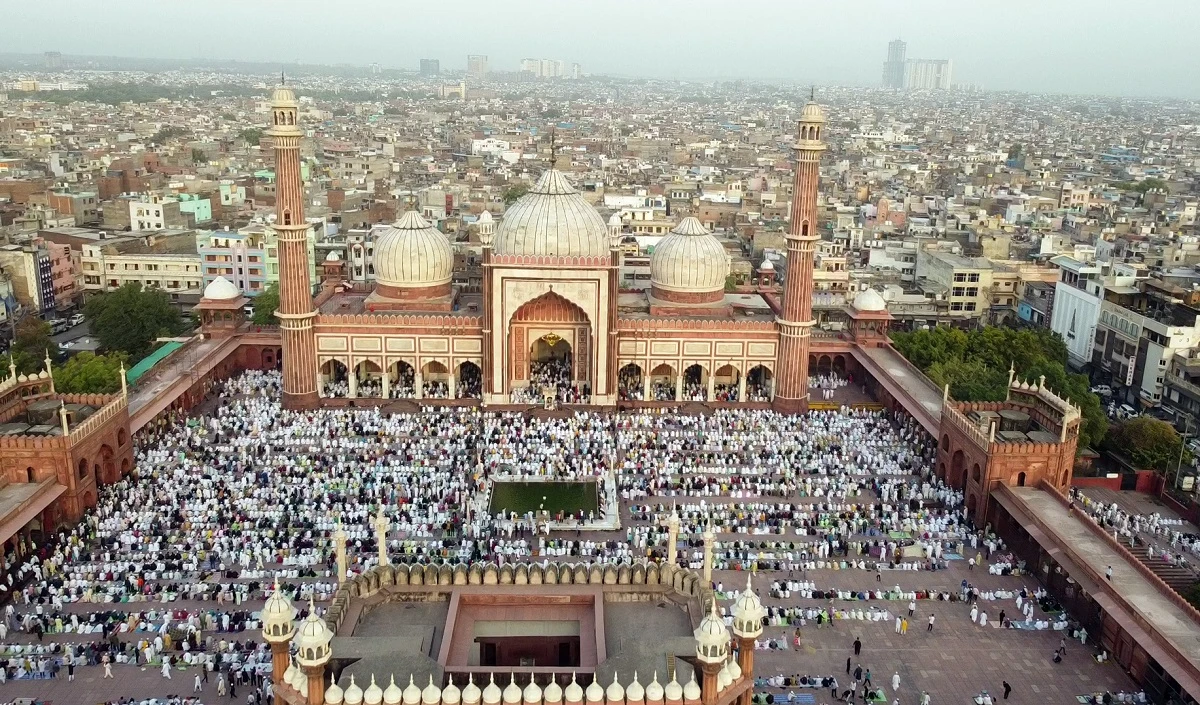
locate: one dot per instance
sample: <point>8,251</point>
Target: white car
<point>76,319</point>
<point>1126,411</point>
<point>1103,390</point>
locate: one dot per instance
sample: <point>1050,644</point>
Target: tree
<point>512,193</point>
<point>199,157</point>
<point>88,373</point>
<point>167,133</point>
<point>976,365</point>
<point>129,319</point>
<point>252,135</point>
<point>29,348</point>
<point>265,305</point>
<point>1148,442</point>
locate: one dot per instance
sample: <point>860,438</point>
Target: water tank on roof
<point>1013,420</point>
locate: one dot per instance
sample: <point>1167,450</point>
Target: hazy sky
<point>1075,46</point>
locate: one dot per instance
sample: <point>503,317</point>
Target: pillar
<point>742,388</point>
<point>339,546</point>
<point>645,386</point>
<point>452,384</point>
<point>708,682</point>
<point>381,529</point>
<point>418,385</point>
<point>279,660</point>
<point>795,320</point>
<point>387,383</point>
<point>672,536</point>
<point>352,380</point>
<point>62,417</point>
<point>295,312</point>
<point>709,538</point>
<point>679,387</point>
<point>712,387</point>
<point>746,663</point>
<point>316,684</point>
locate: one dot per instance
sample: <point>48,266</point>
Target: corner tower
<point>295,290</point>
<point>796,321</point>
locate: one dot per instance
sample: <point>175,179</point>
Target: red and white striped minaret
<point>796,321</point>
<point>295,289</point>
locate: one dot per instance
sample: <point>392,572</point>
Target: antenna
<point>812,93</point>
<point>553,149</point>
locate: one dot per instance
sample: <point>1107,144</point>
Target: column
<point>679,387</point>
<point>646,386</point>
<point>742,388</point>
<point>352,380</point>
<point>672,536</point>
<point>709,538</point>
<point>708,682</point>
<point>316,684</point>
<point>418,385</point>
<point>746,663</point>
<point>387,383</point>
<point>712,387</point>
<point>381,528</point>
<point>339,545</point>
<point>279,659</point>
<point>452,384</point>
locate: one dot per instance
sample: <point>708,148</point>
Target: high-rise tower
<point>795,321</point>
<point>893,68</point>
<point>295,290</point>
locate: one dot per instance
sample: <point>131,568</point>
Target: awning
<point>136,372</point>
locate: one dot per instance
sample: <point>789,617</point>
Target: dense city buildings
<point>585,390</point>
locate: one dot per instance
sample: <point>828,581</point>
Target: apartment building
<point>164,260</point>
<point>965,282</point>
<point>239,257</point>
<point>29,269</point>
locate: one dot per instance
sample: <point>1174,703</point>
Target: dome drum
<point>686,298</point>
<point>414,264</point>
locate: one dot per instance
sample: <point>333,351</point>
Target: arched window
<point>287,217</point>
<point>1021,479</point>
<point>29,475</point>
<point>82,468</point>
<point>804,229</point>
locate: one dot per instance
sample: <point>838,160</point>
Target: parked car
<point>59,325</point>
<point>1102,389</point>
<point>1126,411</point>
<point>76,319</point>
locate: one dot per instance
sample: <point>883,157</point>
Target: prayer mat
<point>952,556</point>
<point>802,699</point>
<point>879,697</point>
<point>899,535</point>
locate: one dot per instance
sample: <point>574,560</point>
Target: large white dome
<point>221,289</point>
<point>690,259</point>
<point>869,300</point>
<point>413,253</point>
<point>552,219</point>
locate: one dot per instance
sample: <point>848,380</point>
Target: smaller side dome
<point>392,695</point>
<point>412,694</point>
<point>451,695</point>
<point>432,694</point>
<point>332,256</point>
<point>869,300</point>
<point>654,691</point>
<point>691,691</point>
<point>673,692</point>
<point>491,694</point>
<point>373,695</point>
<point>471,693</point>
<point>553,693</point>
<point>573,693</point>
<point>594,693</point>
<point>689,266</point>
<point>334,694</point>
<point>221,289</point>
<point>354,694</point>
<point>412,254</point>
<point>512,691</point>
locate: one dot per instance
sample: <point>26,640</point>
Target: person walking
<point>70,669</point>
<point>896,682</point>
<point>1007,689</point>
<point>974,614</point>
<point>847,665</point>
<point>107,666</point>
<point>196,685</point>
<point>904,626</point>
<point>924,697</point>
<point>857,646</point>
<point>912,607</point>
<point>867,681</point>
<point>1107,574</point>
<point>898,625</point>
<point>166,668</point>
<point>858,673</point>
<point>221,685</point>
<point>930,627</point>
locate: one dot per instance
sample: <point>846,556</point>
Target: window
<point>973,277</point>
<point>956,306</point>
<point>970,306</point>
<point>972,291</point>
<point>960,277</point>
<point>958,291</point>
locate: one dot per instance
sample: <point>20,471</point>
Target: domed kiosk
<point>413,266</point>
<point>221,308</point>
<point>869,319</point>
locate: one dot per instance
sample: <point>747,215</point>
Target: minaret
<point>295,290</point>
<point>796,321</point>
<point>748,614</point>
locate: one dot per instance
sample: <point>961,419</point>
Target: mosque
<point>550,291</point>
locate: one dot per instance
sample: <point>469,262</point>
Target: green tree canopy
<point>129,319</point>
<point>265,305</point>
<point>252,135</point>
<point>199,157</point>
<point>88,373</point>
<point>975,364</point>
<point>29,347</point>
<point>1148,442</point>
<point>512,193</point>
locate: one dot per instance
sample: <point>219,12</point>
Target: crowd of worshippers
<point>552,376</point>
<point>631,387</point>
<point>826,384</point>
<point>1165,538</point>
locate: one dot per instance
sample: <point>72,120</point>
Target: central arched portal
<point>549,342</point>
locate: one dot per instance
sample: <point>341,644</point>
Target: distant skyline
<point>1041,46</point>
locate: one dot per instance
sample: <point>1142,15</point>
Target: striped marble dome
<point>552,219</point>
<point>690,259</point>
<point>413,253</point>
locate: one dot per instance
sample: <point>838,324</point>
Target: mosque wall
<point>680,343</point>
<point>384,340</point>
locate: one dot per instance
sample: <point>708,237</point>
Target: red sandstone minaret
<point>295,290</point>
<point>795,322</point>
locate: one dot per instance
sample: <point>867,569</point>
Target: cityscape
<point>501,373</point>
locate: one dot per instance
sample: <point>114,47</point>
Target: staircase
<point>1180,579</point>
